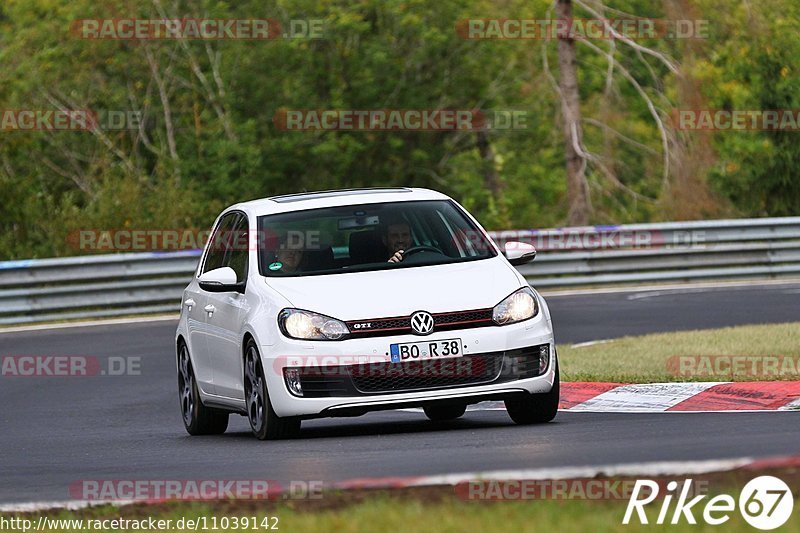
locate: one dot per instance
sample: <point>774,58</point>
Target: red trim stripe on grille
<point>438,324</point>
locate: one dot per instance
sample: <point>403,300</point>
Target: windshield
<point>365,237</point>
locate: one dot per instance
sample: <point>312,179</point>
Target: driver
<point>397,239</point>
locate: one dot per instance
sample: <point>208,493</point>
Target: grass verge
<point>742,353</point>
<point>434,509</point>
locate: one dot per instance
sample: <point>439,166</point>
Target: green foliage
<point>222,97</point>
<point>755,68</point>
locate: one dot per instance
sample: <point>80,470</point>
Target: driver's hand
<point>397,257</point>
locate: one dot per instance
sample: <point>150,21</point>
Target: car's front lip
<point>468,396</point>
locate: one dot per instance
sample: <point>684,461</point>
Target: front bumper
<point>350,397</point>
<point>381,378</point>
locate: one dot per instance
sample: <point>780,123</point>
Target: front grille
<point>427,374</point>
<point>430,374</point>
<point>449,319</point>
<point>402,325</point>
<point>387,326</point>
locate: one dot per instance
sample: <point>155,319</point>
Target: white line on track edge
<point>648,469</point>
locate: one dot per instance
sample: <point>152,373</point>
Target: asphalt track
<point>57,431</point>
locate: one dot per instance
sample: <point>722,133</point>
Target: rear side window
<point>236,256</point>
<point>218,244</point>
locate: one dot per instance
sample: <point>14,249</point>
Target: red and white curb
<point>632,470</point>
<point>671,397</point>
<point>684,397</point>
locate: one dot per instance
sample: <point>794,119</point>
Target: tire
<point>265,424</point>
<point>440,413</point>
<point>536,408</point>
<point>197,418</point>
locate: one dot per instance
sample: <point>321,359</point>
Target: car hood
<point>387,293</point>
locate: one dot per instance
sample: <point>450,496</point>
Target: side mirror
<point>220,280</point>
<point>519,253</point>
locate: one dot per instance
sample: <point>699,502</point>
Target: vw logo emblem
<point>422,323</point>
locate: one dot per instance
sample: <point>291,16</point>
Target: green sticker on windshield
<point>275,266</point>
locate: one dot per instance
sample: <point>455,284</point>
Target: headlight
<point>520,306</point>
<point>299,324</point>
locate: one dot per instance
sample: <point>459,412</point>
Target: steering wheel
<point>422,248</point>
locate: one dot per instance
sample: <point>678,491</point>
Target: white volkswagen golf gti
<point>342,302</point>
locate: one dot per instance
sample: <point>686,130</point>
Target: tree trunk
<point>491,178</point>
<point>689,196</point>
<point>577,188</point>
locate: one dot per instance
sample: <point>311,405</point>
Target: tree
<point>577,188</point>
<point>578,158</point>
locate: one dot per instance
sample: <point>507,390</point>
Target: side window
<point>218,244</point>
<point>236,257</point>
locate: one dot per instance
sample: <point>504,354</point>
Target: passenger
<point>288,257</point>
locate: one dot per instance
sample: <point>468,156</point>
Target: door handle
<point>210,309</point>
<point>189,303</point>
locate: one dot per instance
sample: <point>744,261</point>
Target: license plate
<point>414,351</point>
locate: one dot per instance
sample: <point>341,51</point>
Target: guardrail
<point>40,290</point>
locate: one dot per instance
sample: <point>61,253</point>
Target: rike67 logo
<point>765,503</point>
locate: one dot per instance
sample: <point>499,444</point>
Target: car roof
<point>320,199</point>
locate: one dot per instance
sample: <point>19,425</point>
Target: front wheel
<point>536,408</point>
<point>265,424</point>
<point>197,418</point>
